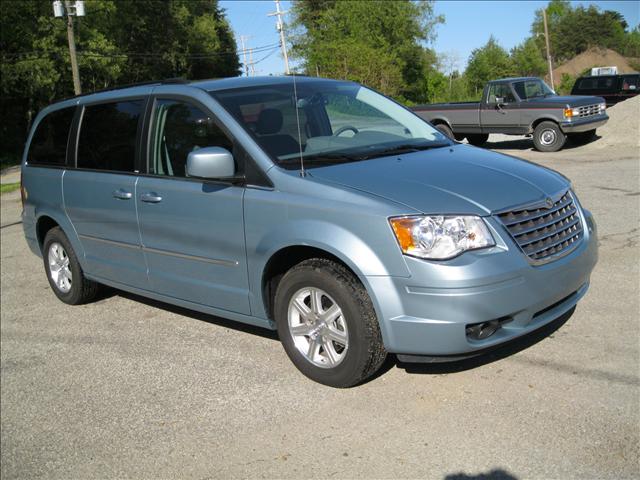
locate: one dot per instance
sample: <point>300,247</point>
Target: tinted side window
<point>108,136</point>
<point>178,129</point>
<point>49,143</point>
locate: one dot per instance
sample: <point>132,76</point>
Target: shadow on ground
<point>497,474</point>
<point>436,365</point>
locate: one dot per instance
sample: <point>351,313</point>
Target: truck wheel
<point>444,129</point>
<point>63,270</point>
<point>327,324</point>
<point>547,137</point>
<point>582,137</point>
<point>478,139</point>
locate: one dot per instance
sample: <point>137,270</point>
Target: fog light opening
<point>483,330</point>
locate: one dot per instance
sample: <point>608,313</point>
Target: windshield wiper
<point>405,148</point>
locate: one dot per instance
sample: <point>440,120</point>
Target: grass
<point>9,187</point>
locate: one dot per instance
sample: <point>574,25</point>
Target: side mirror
<point>211,162</point>
<point>499,100</point>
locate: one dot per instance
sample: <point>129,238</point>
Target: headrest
<point>269,121</point>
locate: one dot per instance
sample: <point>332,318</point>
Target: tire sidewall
<point>349,369</point>
<point>73,295</point>
<point>553,147</point>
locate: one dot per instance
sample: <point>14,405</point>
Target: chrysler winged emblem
<point>548,202</point>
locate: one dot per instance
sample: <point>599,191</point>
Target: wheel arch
<point>286,258</point>
<point>538,121</point>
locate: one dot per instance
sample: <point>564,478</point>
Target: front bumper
<point>427,313</point>
<point>584,125</point>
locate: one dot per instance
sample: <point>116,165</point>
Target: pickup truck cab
<point>319,208</point>
<point>520,106</point>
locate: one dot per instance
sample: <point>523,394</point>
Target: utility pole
<point>546,40</point>
<point>70,10</point>
<point>244,54</point>
<point>280,28</point>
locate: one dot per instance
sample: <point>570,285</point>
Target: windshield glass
<point>532,88</point>
<point>334,122</point>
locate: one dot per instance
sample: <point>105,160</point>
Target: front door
<point>192,230</point>
<point>500,117</point>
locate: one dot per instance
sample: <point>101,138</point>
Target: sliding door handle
<point>122,194</point>
<point>150,197</point>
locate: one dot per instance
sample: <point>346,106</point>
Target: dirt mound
<point>623,128</point>
<point>594,57</point>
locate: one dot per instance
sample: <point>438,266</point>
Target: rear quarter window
<point>49,143</point>
<point>108,136</point>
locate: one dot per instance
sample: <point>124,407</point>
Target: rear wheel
<point>547,137</point>
<point>444,129</point>
<point>63,270</point>
<point>327,324</point>
<point>478,139</point>
<point>581,138</point>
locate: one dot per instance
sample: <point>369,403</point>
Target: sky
<point>468,25</point>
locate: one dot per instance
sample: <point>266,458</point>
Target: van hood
<point>450,180</point>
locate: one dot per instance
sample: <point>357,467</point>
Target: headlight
<point>440,237</point>
<point>603,107</point>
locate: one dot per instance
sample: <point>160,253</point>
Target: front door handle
<point>151,197</point>
<point>122,194</point>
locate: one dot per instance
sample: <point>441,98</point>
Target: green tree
<point>118,41</point>
<point>378,43</point>
<point>488,63</point>
<point>528,60</point>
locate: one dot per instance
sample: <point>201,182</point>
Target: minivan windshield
<point>527,89</point>
<point>330,122</point>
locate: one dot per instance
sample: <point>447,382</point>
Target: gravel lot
<point>128,387</point>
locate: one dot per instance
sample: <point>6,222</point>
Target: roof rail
<point>167,81</point>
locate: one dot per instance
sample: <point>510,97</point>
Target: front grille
<point>588,110</point>
<point>544,233</point>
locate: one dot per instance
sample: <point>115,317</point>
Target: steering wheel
<point>345,129</point>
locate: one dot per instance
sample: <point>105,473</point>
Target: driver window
<point>500,90</point>
<point>178,129</point>
<point>348,116</point>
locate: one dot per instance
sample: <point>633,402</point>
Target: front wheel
<point>327,324</point>
<point>547,137</point>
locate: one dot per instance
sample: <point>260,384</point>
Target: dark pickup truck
<point>519,106</point>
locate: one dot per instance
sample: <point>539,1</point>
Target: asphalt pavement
<point>131,388</point>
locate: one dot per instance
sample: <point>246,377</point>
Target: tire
<point>478,139</point>
<point>444,129</point>
<point>582,137</point>
<point>346,348</point>
<point>547,137</point>
<point>63,270</point>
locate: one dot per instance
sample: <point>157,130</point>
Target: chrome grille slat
<point>588,110</point>
<point>545,233</point>
<point>512,217</point>
<point>524,242</point>
<point>538,226</point>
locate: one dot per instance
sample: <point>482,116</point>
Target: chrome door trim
<point>108,242</point>
<point>214,261</point>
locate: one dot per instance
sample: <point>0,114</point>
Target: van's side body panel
<point>106,224</point>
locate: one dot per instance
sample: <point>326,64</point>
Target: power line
<point>260,49</point>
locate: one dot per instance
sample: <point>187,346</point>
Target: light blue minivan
<point>316,207</point>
